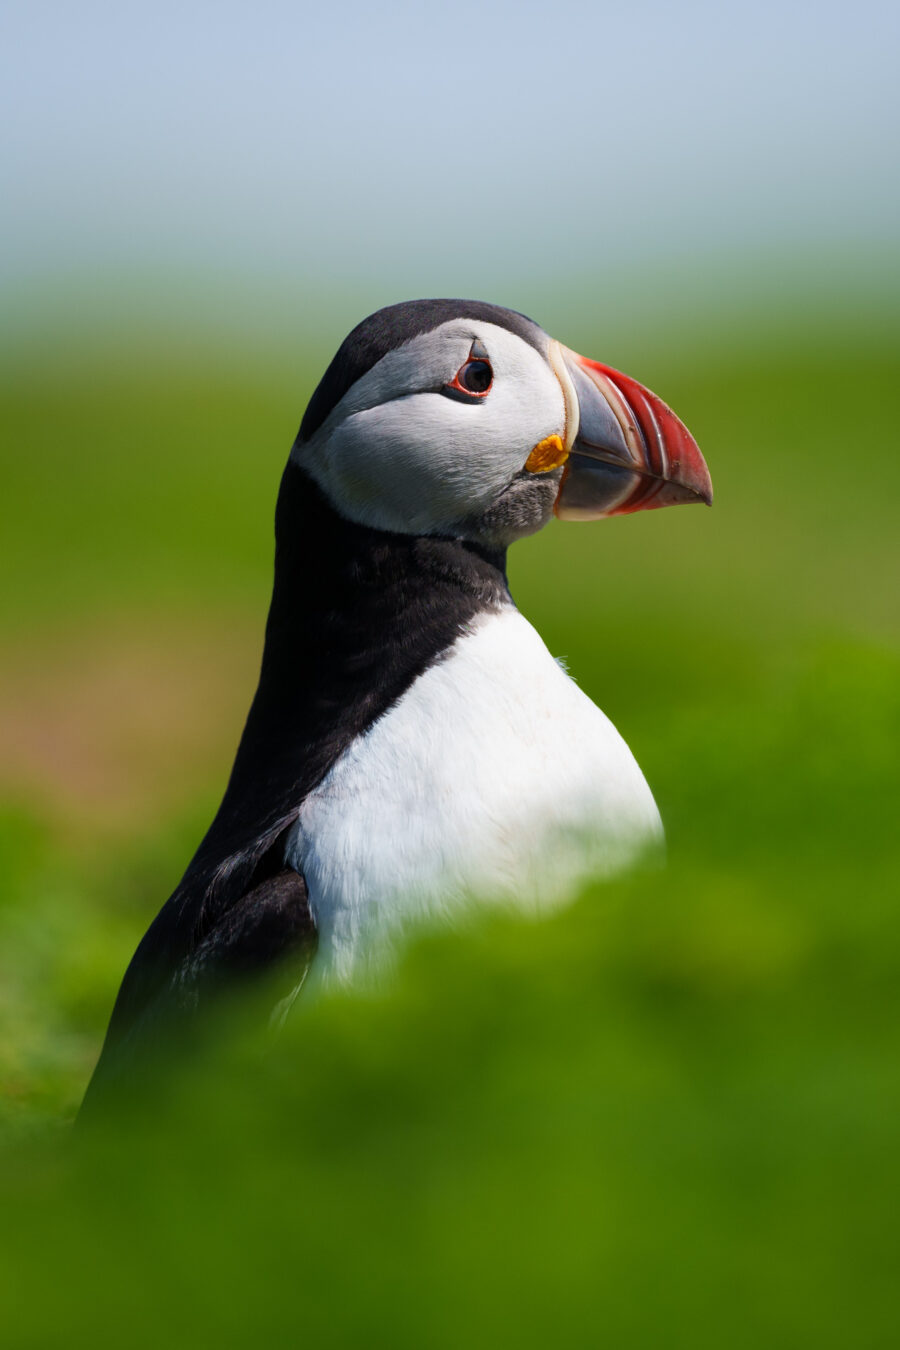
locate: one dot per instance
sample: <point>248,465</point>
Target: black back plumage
<point>356,616</point>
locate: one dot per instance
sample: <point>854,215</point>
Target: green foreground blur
<point>666,1116</point>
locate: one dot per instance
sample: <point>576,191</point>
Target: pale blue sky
<point>422,148</point>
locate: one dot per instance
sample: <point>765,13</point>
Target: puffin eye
<point>476,376</point>
<point>472,381</point>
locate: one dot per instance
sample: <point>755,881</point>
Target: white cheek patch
<point>397,454</point>
<point>408,465</point>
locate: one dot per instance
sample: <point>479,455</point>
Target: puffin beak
<point>627,450</point>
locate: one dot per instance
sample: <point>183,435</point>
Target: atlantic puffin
<point>413,748</point>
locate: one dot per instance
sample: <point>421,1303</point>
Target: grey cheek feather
<point>522,508</point>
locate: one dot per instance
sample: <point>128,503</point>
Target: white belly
<point>494,778</point>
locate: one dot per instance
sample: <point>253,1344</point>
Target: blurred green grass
<point>665,1116</point>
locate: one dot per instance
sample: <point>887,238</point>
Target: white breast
<point>494,778</point>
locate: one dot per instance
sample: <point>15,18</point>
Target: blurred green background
<point>668,1115</point>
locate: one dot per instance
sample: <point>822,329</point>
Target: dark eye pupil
<point>476,376</point>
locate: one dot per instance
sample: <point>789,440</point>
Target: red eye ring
<point>473,380</point>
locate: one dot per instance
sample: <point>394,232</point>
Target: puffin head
<point>466,420</point>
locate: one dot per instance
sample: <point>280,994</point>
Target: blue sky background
<point>502,150</point>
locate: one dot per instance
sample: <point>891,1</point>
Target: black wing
<point>269,932</point>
